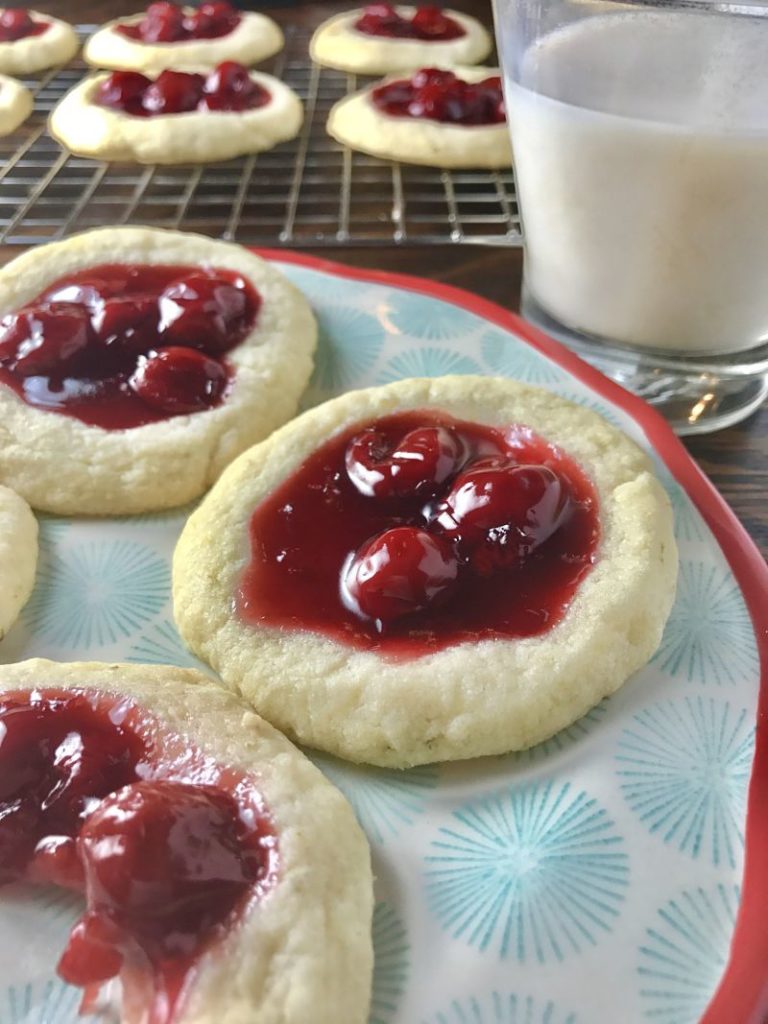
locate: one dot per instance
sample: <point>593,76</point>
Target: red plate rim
<point>742,995</point>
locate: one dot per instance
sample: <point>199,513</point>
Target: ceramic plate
<point>596,879</point>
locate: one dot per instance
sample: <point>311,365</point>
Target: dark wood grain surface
<point>735,459</point>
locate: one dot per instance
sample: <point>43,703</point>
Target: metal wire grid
<point>311,191</point>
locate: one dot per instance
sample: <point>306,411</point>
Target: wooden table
<point>735,459</point>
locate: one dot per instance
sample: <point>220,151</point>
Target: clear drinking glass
<point>640,138</point>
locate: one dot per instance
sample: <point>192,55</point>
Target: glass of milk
<point>640,138</point>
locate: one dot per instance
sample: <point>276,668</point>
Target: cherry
<point>162,23</point>
<point>230,87</point>
<point>219,10</point>
<point>130,322</point>
<point>164,863</point>
<point>15,23</point>
<point>498,512</point>
<point>398,572</point>
<point>44,338</point>
<point>431,100</point>
<point>380,19</point>
<point>419,463</point>
<point>430,21</point>
<point>179,380</point>
<point>490,90</point>
<point>432,76</point>
<point>124,90</point>
<point>202,310</point>
<point>173,92</point>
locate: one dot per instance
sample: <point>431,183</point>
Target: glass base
<point>696,394</point>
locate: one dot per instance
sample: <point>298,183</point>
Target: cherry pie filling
<point>16,23</point>
<point>229,87</point>
<point>441,96</point>
<point>168,847</point>
<point>419,531</point>
<point>170,23</point>
<point>428,24</point>
<point>121,345</point>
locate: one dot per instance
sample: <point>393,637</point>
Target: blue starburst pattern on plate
<point>391,963</point>
<point>533,873</point>
<point>507,357</point>
<point>501,1009</point>
<point>709,637</point>
<point>348,345</point>
<point>416,317</point>
<point>684,953</point>
<point>384,801</point>
<point>162,645</point>
<point>564,739</point>
<point>46,1002</point>
<point>96,592</point>
<point>684,768</point>
<point>320,289</point>
<point>426,362</point>
<point>689,525</point>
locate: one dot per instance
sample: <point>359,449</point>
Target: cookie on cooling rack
<point>179,117</point>
<point>439,117</point>
<point>136,363</point>
<point>381,38</point>
<point>224,877</point>
<point>31,41</point>
<point>167,35</point>
<point>16,104</point>
<point>432,570</point>
<point>18,556</point>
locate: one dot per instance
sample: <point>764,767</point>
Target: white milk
<point>642,166</point>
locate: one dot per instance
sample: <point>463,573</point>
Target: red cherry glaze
<point>419,463</point>
<point>89,346</point>
<point>16,23</point>
<point>167,23</point>
<point>428,24</point>
<point>200,868</point>
<point>402,571</point>
<point>441,96</point>
<point>179,380</point>
<point>58,757</point>
<point>324,557</point>
<point>229,87</point>
<point>95,794</point>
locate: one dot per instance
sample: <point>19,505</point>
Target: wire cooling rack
<point>311,191</point>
